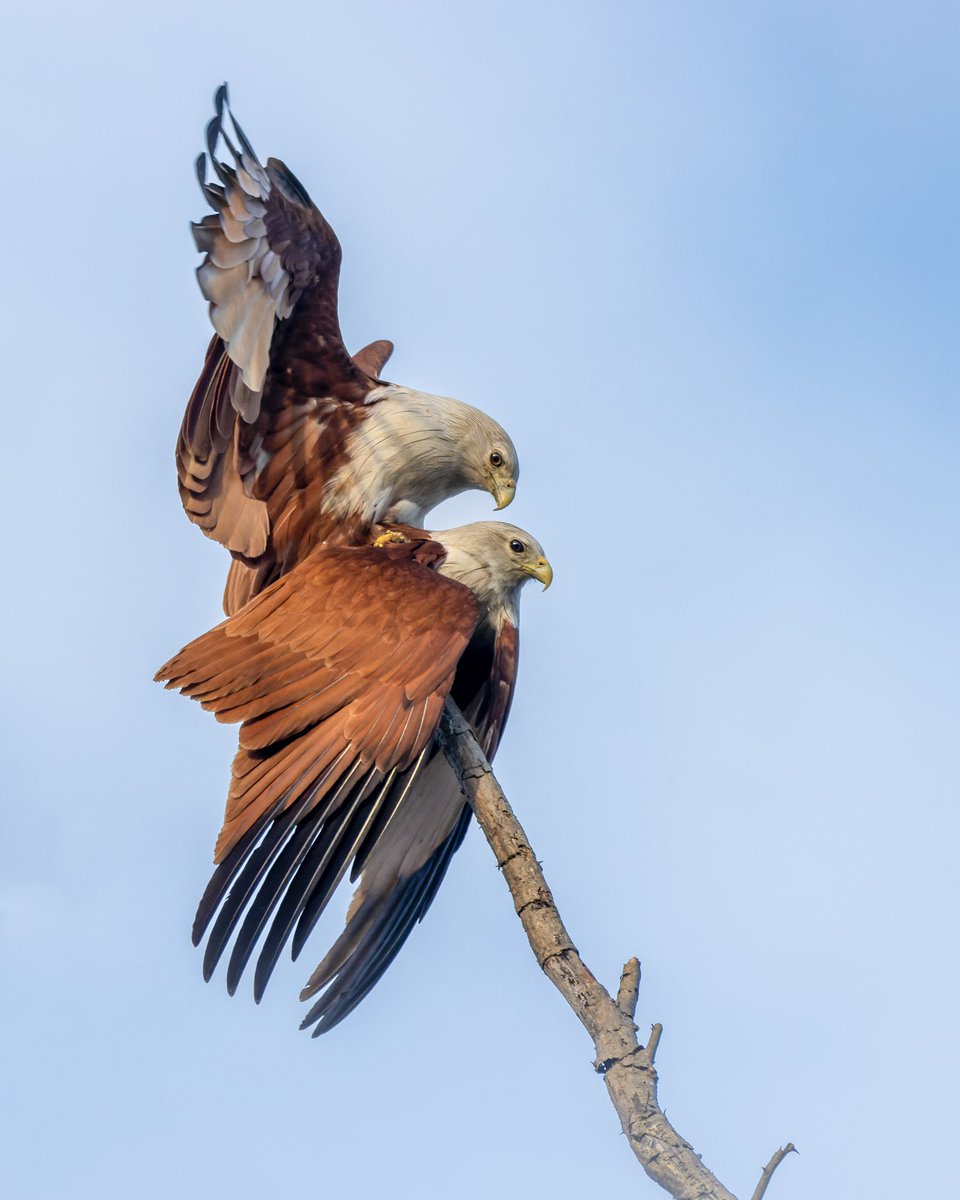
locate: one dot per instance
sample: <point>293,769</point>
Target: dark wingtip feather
<point>353,973</point>
<point>222,105</point>
<point>222,877</point>
<point>274,945</point>
<point>288,183</point>
<point>261,977</point>
<point>215,131</point>
<point>380,943</point>
<point>242,138</point>
<point>230,146</point>
<point>247,881</point>
<point>207,906</point>
<point>284,860</point>
<point>313,883</point>
<point>211,133</point>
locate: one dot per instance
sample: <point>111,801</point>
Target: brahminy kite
<point>288,442</point>
<point>338,673</point>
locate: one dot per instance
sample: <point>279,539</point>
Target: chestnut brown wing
<point>337,674</point>
<point>278,395</point>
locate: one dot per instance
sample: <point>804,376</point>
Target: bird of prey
<point>338,673</point>
<point>288,442</point>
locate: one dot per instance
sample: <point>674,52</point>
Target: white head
<point>494,560</point>
<point>415,450</point>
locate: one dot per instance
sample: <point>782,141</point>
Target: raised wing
<point>338,673</point>
<point>266,244</point>
<point>278,394</point>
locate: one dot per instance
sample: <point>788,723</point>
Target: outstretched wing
<point>279,394</point>
<point>401,872</point>
<point>338,673</point>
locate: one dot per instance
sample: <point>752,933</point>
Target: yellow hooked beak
<point>541,570</point>
<point>504,492</point>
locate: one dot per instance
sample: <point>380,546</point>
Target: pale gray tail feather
<point>399,878</point>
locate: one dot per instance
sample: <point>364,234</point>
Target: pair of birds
<point>348,626</point>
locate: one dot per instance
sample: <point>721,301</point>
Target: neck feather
<point>499,599</point>
<point>405,458</point>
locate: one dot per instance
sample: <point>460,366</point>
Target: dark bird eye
<point>516,546</point>
<point>496,459</point>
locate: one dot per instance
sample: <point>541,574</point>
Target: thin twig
<point>626,1067</point>
<point>650,1049</point>
<point>629,990</point>
<point>771,1166</point>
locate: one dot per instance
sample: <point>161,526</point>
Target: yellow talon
<point>386,539</point>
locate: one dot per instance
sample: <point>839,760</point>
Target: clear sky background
<point>701,259</point>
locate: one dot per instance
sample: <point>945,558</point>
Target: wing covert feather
<point>355,649</point>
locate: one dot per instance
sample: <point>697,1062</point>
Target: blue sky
<point>702,261</point>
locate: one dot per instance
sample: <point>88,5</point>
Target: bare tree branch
<point>626,1066</point>
<point>629,990</point>
<point>771,1166</point>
